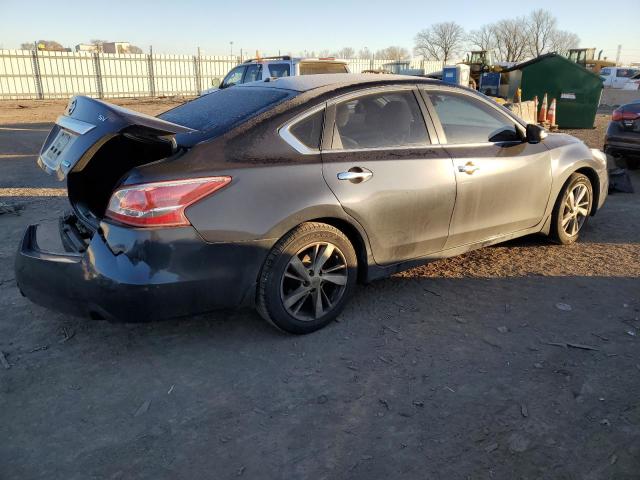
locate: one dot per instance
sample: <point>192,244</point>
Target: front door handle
<point>468,168</point>
<point>356,175</point>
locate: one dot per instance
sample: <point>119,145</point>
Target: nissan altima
<point>283,194</point>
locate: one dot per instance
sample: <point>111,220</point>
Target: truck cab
<point>275,67</point>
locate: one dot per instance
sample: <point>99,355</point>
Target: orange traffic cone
<point>543,110</point>
<point>551,116</point>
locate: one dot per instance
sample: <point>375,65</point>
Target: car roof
<point>305,83</point>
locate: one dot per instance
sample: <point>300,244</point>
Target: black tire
<point>273,283</point>
<point>559,232</point>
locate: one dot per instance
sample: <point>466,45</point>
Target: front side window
<point>279,70</point>
<point>233,77</point>
<point>308,131</point>
<point>380,120</point>
<point>605,71</point>
<point>254,73</point>
<point>467,120</point>
<point>626,72</point>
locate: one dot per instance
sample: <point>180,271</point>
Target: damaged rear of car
<point>131,250</point>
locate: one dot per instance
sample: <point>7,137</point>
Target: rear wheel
<point>572,209</point>
<point>307,278</point>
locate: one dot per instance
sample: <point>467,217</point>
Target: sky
<point>271,26</point>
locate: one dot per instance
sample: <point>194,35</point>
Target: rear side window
<point>221,110</point>
<point>379,120</point>
<point>279,70</point>
<point>626,72</point>
<point>254,73</point>
<point>467,120</point>
<point>308,131</point>
<point>314,68</point>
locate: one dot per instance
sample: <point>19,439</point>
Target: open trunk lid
<point>88,124</point>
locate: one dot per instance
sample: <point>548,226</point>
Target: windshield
<point>221,110</point>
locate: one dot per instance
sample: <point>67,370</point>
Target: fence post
<point>36,72</point>
<point>152,79</point>
<point>196,65</point>
<point>96,64</point>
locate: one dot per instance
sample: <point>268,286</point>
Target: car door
<point>253,73</point>
<point>503,182</point>
<point>379,161</point>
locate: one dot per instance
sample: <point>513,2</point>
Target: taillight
<point>619,115</point>
<point>160,204</point>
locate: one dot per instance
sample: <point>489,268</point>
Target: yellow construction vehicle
<point>586,58</point>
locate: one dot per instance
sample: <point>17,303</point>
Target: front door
<point>382,167</point>
<point>503,182</point>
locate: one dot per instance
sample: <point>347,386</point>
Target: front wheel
<point>307,278</point>
<point>572,209</point>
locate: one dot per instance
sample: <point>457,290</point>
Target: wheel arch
<point>591,174</point>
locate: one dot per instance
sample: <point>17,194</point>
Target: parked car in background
<point>283,194</point>
<point>617,77</point>
<point>633,83</point>
<point>277,67</point>
<point>622,139</point>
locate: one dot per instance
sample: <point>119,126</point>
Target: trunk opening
<point>90,188</point>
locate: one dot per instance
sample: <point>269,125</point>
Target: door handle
<point>468,168</point>
<point>356,175</point>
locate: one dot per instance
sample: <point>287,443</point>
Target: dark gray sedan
<point>282,194</point>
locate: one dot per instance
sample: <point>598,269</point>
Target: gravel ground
<point>515,361</point>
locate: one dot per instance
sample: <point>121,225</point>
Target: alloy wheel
<point>575,209</point>
<point>314,281</point>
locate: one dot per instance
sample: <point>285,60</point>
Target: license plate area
<point>55,153</point>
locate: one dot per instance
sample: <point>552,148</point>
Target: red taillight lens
<point>619,115</point>
<point>160,204</point>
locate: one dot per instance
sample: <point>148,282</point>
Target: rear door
<point>503,182</point>
<point>380,161</point>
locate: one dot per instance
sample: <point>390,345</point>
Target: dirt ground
<point>515,361</point>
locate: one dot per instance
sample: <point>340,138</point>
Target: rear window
<point>314,68</point>
<point>221,110</point>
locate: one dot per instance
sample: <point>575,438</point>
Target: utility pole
<point>231,48</point>
<point>618,54</point>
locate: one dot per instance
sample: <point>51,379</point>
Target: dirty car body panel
<point>400,204</point>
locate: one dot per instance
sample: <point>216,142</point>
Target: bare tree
<point>26,46</point>
<point>134,49</point>
<point>441,41</point>
<point>49,45</point>
<point>562,41</point>
<point>393,53</point>
<point>484,38</point>
<point>541,26</point>
<point>365,53</point>
<point>512,43</point>
<point>324,53</point>
<point>346,52</point>
<point>99,44</point>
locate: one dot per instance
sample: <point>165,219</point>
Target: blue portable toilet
<point>456,74</point>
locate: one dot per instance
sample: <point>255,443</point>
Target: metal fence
<point>26,74</point>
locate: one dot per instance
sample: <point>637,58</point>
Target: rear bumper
<point>138,275</point>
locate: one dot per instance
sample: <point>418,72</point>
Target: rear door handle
<point>356,175</point>
<point>468,168</point>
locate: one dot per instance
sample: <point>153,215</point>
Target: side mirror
<point>535,133</point>
<point>215,83</point>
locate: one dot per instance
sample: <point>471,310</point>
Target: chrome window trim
<point>285,131</point>
<point>74,125</point>
<point>421,146</point>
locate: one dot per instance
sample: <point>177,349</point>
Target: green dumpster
<point>577,90</point>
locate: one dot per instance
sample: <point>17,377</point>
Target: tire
<point>566,221</point>
<point>292,283</point>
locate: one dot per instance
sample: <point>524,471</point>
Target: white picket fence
<point>26,74</point>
